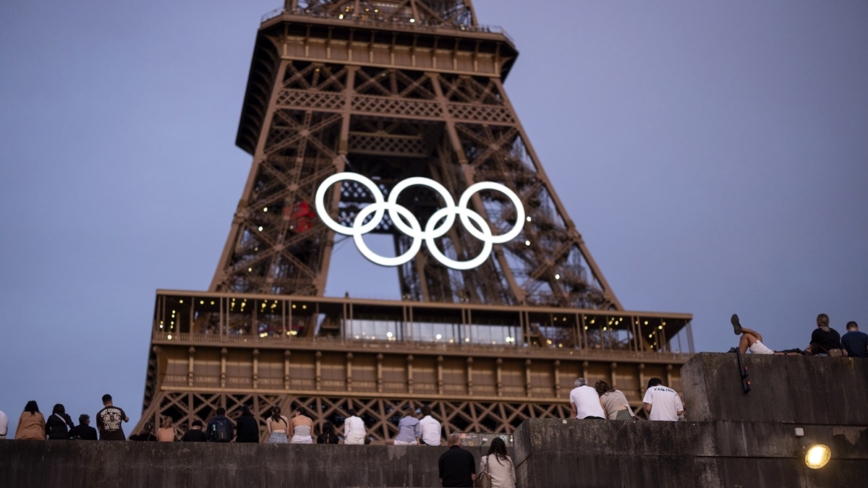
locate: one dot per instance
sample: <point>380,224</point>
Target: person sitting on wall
<point>354,429</point>
<point>109,421</point>
<point>409,430</point>
<point>752,341</point>
<point>300,427</point>
<point>661,402</point>
<point>247,427</point>
<point>855,342</point>
<point>457,467</point>
<point>825,341</point>
<point>220,428</point>
<point>614,402</point>
<point>328,435</point>
<point>195,433</point>
<point>429,428</point>
<point>83,431</point>
<point>585,402</point>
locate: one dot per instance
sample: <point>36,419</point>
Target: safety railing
<point>410,346</point>
<point>386,21</point>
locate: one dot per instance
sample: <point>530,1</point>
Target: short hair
<point>148,427</point>
<point>426,410</point>
<point>351,412</point>
<point>106,398</point>
<point>822,320</point>
<point>83,418</point>
<point>221,411</point>
<point>655,381</point>
<point>302,411</point>
<point>581,382</point>
<point>408,408</point>
<point>197,423</point>
<point>852,325</point>
<point>453,440</point>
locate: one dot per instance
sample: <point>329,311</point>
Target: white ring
<point>431,231</point>
<point>340,229</point>
<point>487,185</point>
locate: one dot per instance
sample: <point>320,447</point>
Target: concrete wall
<point>791,389</point>
<point>600,453</point>
<point>90,464</point>
<point>742,441</point>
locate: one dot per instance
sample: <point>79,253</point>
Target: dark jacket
<point>248,429</point>
<point>212,427</point>
<point>83,432</point>
<point>194,435</point>
<point>57,427</point>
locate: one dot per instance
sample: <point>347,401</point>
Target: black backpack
<point>221,431</point>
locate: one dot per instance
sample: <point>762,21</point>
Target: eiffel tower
<point>392,90</point>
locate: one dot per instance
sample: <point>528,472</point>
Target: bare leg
<point>747,339</point>
<point>759,337</point>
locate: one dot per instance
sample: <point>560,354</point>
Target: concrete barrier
<point>94,464</point>
<point>601,453</point>
<point>742,440</point>
<point>791,389</point>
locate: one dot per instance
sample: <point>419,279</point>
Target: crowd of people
<point>825,341</point>
<point>59,426</point>
<point>602,402</point>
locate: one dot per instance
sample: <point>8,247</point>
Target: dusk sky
<point>714,155</point>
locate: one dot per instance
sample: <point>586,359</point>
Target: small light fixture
<point>557,276</point>
<point>816,455</point>
<point>438,337</point>
<point>412,21</point>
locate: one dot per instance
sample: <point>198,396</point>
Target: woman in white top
<point>277,425</point>
<point>300,428</point>
<point>498,465</point>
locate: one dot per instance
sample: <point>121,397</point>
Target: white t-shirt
<point>665,403</point>
<point>587,402</point>
<point>4,423</point>
<point>430,430</point>
<point>354,427</point>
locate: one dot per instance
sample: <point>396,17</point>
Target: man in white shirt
<point>585,402</point>
<point>354,429</point>
<point>4,425</point>
<point>430,428</point>
<point>662,403</point>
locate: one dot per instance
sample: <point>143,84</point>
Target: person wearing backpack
<point>220,428</point>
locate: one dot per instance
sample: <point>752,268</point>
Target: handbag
<point>483,479</point>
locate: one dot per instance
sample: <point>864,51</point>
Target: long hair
<point>31,407</point>
<point>328,428</point>
<point>58,409</point>
<point>602,387</point>
<point>275,414</point>
<point>498,448</point>
<point>245,410</point>
<point>167,421</point>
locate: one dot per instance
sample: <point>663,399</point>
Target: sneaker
<point>736,326</point>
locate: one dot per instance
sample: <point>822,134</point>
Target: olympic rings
<point>399,214</point>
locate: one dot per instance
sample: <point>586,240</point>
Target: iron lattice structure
<point>394,89</point>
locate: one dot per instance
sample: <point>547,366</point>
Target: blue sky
<point>713,155</point>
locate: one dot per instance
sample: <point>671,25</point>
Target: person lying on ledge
<point>752,341</point>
